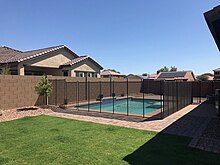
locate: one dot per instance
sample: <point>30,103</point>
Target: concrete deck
<point>154,125</point>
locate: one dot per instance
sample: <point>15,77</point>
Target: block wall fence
<point>19,91</point>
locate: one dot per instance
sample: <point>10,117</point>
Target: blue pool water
<point>135,106</point>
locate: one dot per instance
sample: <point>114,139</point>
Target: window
<point>79,74</point>
<point>85,74</point>
<point>90,74</point>
<point>65,73</point>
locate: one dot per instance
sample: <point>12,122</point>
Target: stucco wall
<point>190,76</point>
<point>50,63</point>
<point>48,71</point>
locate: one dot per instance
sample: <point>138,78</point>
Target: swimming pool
<point>131,106</point>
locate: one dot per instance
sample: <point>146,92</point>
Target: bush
<point>202,78</point>
<point>5,70</point>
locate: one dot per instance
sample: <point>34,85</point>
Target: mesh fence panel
<point>130,98</point>
<point>177,95</point>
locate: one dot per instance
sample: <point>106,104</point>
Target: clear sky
<point>131,36</point>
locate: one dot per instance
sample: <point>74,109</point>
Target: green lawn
<point>51,140</point>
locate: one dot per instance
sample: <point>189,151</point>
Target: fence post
<point>163,97</point>
<point>213,92</point>
<point>113,95</point>
<point>56,93</point>
<point>127,99</point>
<point>64,91</point>
<point>177,106</point>
<point>192,92</point>
<point>66,96</point>
<point>86,87</point>
<point>161,104</point>
<point>191,83</point>
<point>143,84</point>
<point>200,91</point>
<point>88,95</point>
<point>77,94</point>
<point>110,83</point>
<point>100,97</point>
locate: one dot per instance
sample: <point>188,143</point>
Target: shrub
<point>202,78</point>
<point>5,70</point>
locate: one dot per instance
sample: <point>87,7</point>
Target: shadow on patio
<point>168,148</point>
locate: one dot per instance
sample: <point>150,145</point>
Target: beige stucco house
<point>111,74</point>
<point>56,61</point>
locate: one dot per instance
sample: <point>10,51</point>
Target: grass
<point>51,140</point>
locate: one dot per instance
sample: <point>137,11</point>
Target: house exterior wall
<point>50,63</point>
<point>190,76</point>
<point>216,75</point>
<point>47,71</point>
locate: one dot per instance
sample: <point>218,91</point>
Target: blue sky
<point>131,36</point>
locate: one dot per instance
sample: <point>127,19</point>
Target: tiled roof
<point>216,70</point>
<point>138,76</point>
<point>76,60</point>
<point>110,73</point>
<point>8,55</point>
<point>153,76</point>
<point>80,59</point>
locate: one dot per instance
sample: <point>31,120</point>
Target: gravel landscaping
<point>12,114</point>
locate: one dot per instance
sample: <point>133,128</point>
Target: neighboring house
<point>212,18</point>
<point>208,75</point>
<point>153,76</point>
<point>111,74</point>
<point>135,76</point>
<point>216,74</point>
<point>176,76</point>
<point>56,61</point>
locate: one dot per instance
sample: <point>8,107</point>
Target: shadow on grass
<point>172,149</point>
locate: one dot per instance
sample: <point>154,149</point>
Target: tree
<point>166,69</point>
<point>202,78</point>
<point>5,70</point>
<point>44,88</point>
<point>173,69</point>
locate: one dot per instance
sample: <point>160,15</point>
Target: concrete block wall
<point>19,91</point>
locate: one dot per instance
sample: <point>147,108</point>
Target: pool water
<point>135,106</point>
